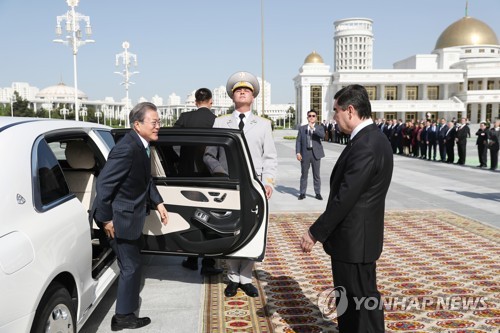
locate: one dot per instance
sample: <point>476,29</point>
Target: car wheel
<point>55,313</point>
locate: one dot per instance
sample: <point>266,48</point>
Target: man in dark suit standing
<point>443,128</point>
<point>449,141</point>
<point>462,132</point>
<point>352,226</point>
<point>309,153</point>
<point>493,144</point>
<point>431,139</point>
<point>191,161</point>
<point>191,157</point>
<point>482,144</point>
<point>125,190</point>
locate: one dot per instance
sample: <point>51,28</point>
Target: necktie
<point>148,151</point>
<point>242,123</point>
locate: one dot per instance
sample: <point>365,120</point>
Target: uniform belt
<point>309,148</point>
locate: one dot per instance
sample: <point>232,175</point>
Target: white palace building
<point>460,78</point>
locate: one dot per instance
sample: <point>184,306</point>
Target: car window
<point>51,183</point>
<point>106,137</point>
<point>190,160</point>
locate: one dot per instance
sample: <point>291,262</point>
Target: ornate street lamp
<point>12,101</point>
<point>83,112</point>
<point>98,114</point>
<point>127,58</point>
<point>74,37</point>
<point>64,112</point>
<point>104,109</point>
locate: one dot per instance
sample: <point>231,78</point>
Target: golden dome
<point>467,31</point>
<point>314,58</point>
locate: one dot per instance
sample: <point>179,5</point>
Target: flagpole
<point>262,48</point>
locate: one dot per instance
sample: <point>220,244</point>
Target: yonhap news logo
<point>333,303</point>
<point>327,302</point>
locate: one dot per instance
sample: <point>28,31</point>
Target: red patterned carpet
<point>439,272</point>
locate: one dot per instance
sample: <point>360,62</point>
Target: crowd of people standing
<point>433,140</point>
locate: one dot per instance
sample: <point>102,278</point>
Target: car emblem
<point>20,199</point>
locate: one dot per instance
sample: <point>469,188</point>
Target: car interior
<point>81,161</point>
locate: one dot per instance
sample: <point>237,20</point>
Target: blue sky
<point>184,45</point>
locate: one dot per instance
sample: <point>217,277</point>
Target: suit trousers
<point>482,151</point>
<point>431,149</point>
<point>461,148</point>
<point>239,270</point>
<point>308,160</point>
<point>442,150</point>
<point>359,280</point>
<point>494,158</point>
<point>450,152</point>
<point>129,282</point>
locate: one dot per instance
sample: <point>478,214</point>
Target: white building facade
<point>460,78</point>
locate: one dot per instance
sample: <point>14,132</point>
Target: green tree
<point>21,107</point>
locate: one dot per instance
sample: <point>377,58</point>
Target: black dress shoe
<point>319,197</point>
<point>249,289</point>
<point>210,270</point>
<point>191,263</point>
<point>302,196</point>
<point>231,289</point>
<point>130,321</point>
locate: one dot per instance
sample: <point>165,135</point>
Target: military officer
<point>243,87</point>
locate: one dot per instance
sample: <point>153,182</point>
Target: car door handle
<point>221,214</point>
<point>255,210</point>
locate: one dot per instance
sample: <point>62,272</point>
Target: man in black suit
<point>125,190</point>
<point>443,128</point>
<point>352,226</point>
<point>431,139</point>
<point>449,141</point>
<point>462,132</point>
<point>493,144</point>
<point>309,152</point>
<point>191,157</point>
<point>191,161</point>
<point>482,144</point>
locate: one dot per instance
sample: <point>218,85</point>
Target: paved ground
<point>172,295</point>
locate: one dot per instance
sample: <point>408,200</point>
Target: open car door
<point>220,214</point>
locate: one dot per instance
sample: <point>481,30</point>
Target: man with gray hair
<point>124,190</point>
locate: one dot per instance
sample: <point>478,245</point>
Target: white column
<point>401,92</point>
<point>381,93</point>
<point>424,92</point>
<point>482,115</point>
<point>446,91</point>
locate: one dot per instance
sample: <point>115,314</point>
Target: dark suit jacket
<point>450,137</point>
<point>462,133</point>
<point>494,137</point>
<point>317,136</point>
<point>201,118</point>
<point>352,226</point>
<point>191,157</point>
<point>482,137</point>
<point>125,187</point>
<point>431,134</point>
<point>442,132</point>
